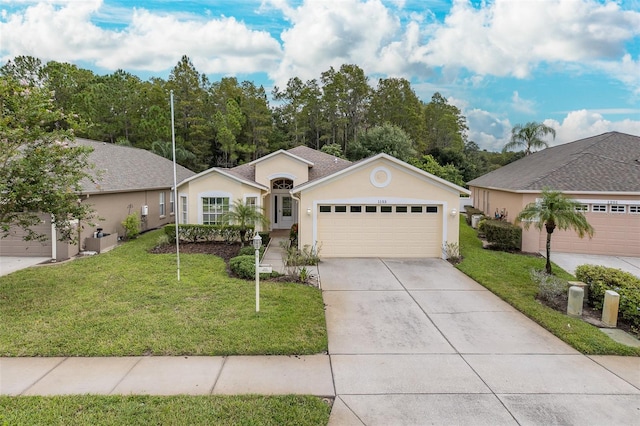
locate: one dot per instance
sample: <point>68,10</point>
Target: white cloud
<point>492,132</point>
<point>323,35</point>
<point>149,41</point>
<point>583,123</point>
<point>511,38</point>
<point>522,105</point>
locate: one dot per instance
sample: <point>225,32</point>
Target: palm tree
<point>529,137</point>
<point>245,216</point>
<point>553,211</point>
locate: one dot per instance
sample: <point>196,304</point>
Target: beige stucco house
<point>377,207</point>
<point>601,172</point>
<point>129,180</point>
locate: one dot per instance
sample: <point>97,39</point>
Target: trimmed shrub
<point>245,267</point>
<point>250,251</point>
<point>601,279</point>
<point>502,235</point>
<point>197,233</point>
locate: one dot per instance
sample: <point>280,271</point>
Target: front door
<point>284,212</point>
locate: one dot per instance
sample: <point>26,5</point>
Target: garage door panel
<point>396,234</point>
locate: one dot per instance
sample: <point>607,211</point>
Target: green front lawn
<point>508,276</point>
<point>128,302</point>
<point>164,410</point>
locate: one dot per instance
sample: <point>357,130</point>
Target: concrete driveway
<point>570,261</point>
<point>418,342</point>
<point>9,264</point>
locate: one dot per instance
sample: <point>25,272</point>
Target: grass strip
<point>164,410</point>
<point>508,276</point>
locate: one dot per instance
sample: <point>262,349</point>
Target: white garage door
<point>380,230</point>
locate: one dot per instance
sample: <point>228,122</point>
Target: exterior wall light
<point>454,212</point>
<point>309,211</point>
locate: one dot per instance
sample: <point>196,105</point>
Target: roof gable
<point>409,168</point>
<point>605,163</point>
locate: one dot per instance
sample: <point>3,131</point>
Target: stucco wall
<point>404,187</point>
<point>113,208</point>
<point>293,169</point>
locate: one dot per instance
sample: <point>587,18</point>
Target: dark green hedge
<point>601,279</point>
<point>245,267</point>
<point>196,233</point>
<point>503,235</point>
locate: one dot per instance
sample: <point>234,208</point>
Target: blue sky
<point>572,64</point>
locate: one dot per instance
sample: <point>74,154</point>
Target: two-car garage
<point>379,230</point>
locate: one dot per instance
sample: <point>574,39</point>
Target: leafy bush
<point>601,279</point>
<point>503,235</point>
<point>551,289</point>
<point>250,251</point>
<point>131,226</point>
<point>452,252</point>
<point>196,233</point>
<point>245,267</point>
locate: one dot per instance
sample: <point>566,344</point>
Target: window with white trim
<point>251,202</point>
<point>183,209</point>
<point>618,208</point>
<point>582,208</point>
<point>634,209</point>
<point>163,204</point>
<point>599,208</point>
<point>213,210</point>
<point>172,203</point>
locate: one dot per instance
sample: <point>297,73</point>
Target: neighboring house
<point>130,180</point>
<point>600,172</point>
<point>377,207</point>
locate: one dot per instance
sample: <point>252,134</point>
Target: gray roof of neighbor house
<point>323,164</point>
<point>609,162</point>
<point>124,168</point>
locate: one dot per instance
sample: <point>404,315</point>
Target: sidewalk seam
<point>43,376</point>
<point>125,375</point>
<point>215,382</point>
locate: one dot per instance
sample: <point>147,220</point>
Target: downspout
<point>263,204</point>
<point>299,214</point>
<point>54,241</point>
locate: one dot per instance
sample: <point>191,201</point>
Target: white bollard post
<point>610,308</point>
<point>574,304</point>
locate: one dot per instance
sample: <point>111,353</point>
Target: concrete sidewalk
<point>233,375</point>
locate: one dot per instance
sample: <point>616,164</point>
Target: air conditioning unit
<point>475,219</point>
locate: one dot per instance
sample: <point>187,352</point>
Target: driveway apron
<point>415,341</point>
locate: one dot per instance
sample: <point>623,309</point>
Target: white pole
<point>175,186</point>
<point>257,279</point>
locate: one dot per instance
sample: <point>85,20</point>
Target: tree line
<point>225,123</point>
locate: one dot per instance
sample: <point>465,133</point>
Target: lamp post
<point>257,243</point>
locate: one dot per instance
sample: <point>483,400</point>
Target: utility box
<point>475,219</point>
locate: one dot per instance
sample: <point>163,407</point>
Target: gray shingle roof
<point>125,168</point>
<point>323,164</point>
<point>605,163</point>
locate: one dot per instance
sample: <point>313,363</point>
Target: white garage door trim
<point>382,201</point>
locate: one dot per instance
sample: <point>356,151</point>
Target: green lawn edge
<point>118,410</point>
<point>507,275</point>
<point>128,302</point>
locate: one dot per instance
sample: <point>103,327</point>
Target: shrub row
<point>197,233</point>
<point>502,235</point>
<point>601,279</point>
